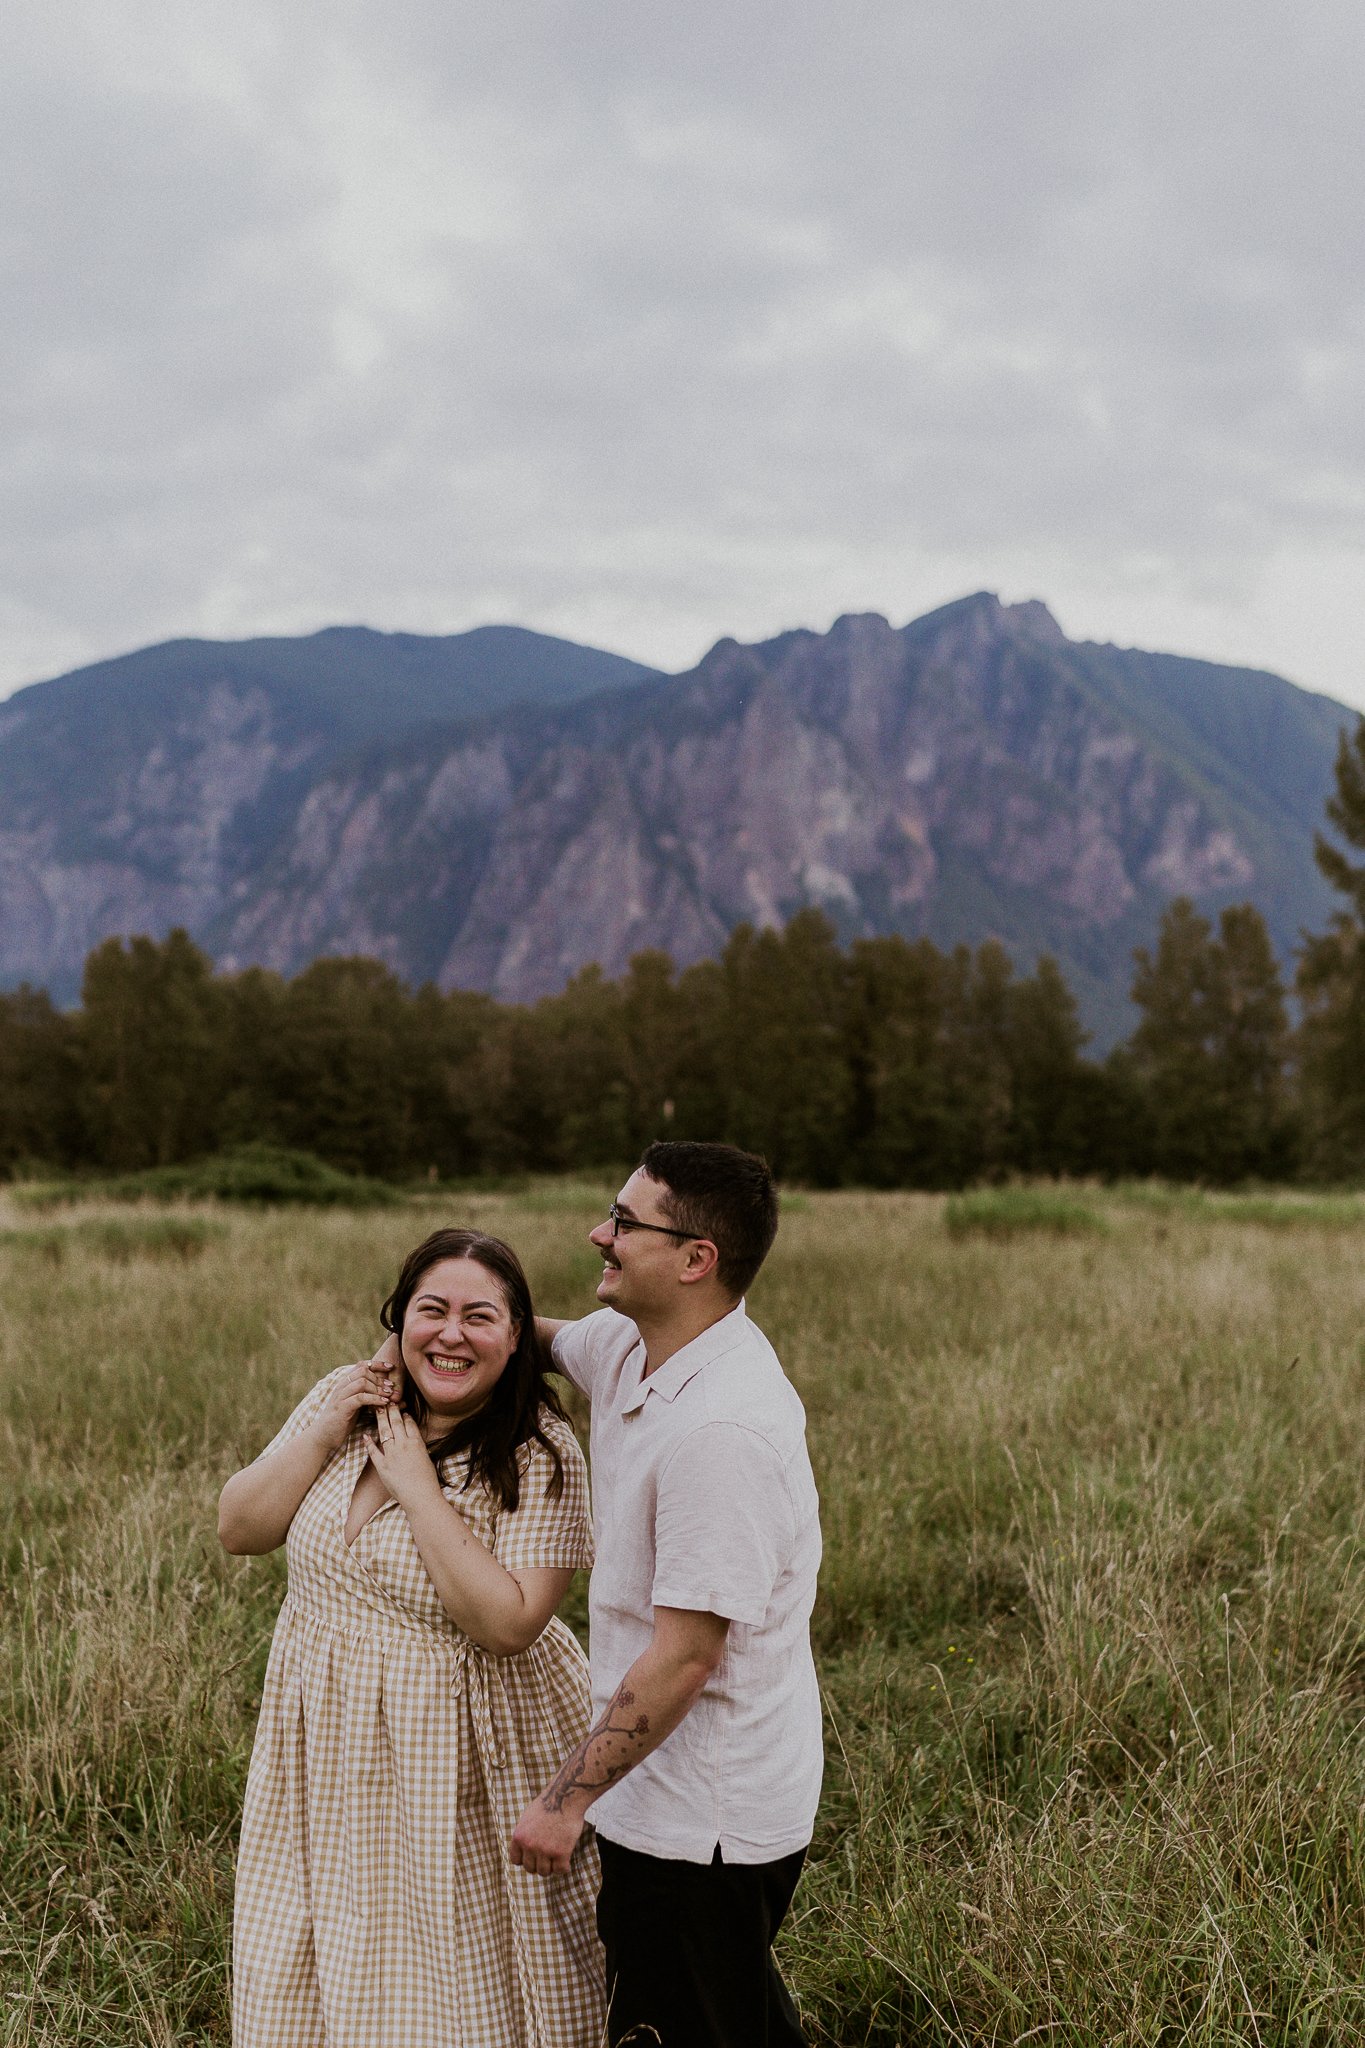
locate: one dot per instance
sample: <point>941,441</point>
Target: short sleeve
<point>309,1407</point>
<point>577,1349</point>
<point>547,1530</point>
<point>724,1524</point>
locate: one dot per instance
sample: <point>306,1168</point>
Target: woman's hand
<point>259,1503</point>
<point>400,1456</point>
<point>360,1386</point>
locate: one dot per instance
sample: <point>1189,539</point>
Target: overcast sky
<point>646,325</point>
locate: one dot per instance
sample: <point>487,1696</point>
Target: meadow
<point>1091,1628</point>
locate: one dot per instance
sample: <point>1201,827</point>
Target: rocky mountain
<point>971,774</point>
<point>148,791</point>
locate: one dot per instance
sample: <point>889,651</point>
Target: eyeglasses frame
<point>619,1222</point>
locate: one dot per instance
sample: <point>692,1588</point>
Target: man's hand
<point>389,1358</point>
<point>543,1842</point>
<point>399,1455</point>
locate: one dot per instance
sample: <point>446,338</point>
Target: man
<point>702,1768</point>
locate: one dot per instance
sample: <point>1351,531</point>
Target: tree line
<point>889,1063</point>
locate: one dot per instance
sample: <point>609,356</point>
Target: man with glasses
<point>702,1768</point>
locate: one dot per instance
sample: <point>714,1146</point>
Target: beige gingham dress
<point>376,1906</point>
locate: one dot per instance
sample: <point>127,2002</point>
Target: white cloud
<point>650,326</point>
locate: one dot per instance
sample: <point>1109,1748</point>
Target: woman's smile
<point>452,1366</point>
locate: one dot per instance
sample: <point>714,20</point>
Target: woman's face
<point>458,1335</point>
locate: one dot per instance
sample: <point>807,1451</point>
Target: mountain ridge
<point>973,773</point>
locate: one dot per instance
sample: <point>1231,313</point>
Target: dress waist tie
<point>488,1708</point>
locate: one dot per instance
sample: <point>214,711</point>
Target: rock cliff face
<point>969,775</point>
<point>149,791</point>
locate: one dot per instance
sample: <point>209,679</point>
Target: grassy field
<point>1091,1628</point>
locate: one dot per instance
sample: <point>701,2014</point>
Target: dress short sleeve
<point>309,1407</point>
<point>545,1530</point>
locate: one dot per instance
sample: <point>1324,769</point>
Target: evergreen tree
<point>655,1036</point>
<point>1210,1052</point>
<point>1346,810</point>
<point>960,1071</point>
<point>901,1122</point>
<point>442,1036</point>
<point>1331,985</point>
<point>981,1089</point>
<point>256,1079</point>
<point>41,1120</point>
<point>1053,1098</point>
<point>341,1072</point>
<point>496,1086</point>
<point>1258,1134</point>
<point>150,1037</point>
<point>1171,1051</point>
<point>786,1054</point>
<point>698,1085</point>
<point>582,1081</point>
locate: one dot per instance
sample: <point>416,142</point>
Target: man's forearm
<point>658,1691</point>
<point>656,1694</point>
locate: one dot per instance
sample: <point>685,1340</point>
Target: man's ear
<point>702,1260</point>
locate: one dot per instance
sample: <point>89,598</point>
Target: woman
<point>420,1691</point>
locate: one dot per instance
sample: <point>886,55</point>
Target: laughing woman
<point>420,1690</point>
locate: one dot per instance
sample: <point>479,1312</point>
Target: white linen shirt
<point>703,1498</point>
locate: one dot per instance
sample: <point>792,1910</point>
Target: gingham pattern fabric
<point>376,1906</point>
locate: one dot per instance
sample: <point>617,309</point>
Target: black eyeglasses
<point>620,1221</point>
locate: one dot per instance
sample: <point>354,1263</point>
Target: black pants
<point>689,1951</point>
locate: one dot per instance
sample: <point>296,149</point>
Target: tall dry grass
<point>1091,1629</point>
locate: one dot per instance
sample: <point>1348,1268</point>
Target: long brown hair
<point>511,1416</point>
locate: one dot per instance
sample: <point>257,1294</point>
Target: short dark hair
<point>721,1193</point>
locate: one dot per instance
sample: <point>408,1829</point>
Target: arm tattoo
<point>576,1775</point>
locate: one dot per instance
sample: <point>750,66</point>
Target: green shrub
<point>1006,1212</point>
<point>246,1173</point>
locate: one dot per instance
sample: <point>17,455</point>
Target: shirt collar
<point>670,1379</point>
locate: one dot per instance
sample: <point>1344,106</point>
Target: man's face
<point>640,1267</point>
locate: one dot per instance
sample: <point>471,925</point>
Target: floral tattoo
<point>576,1774</point>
